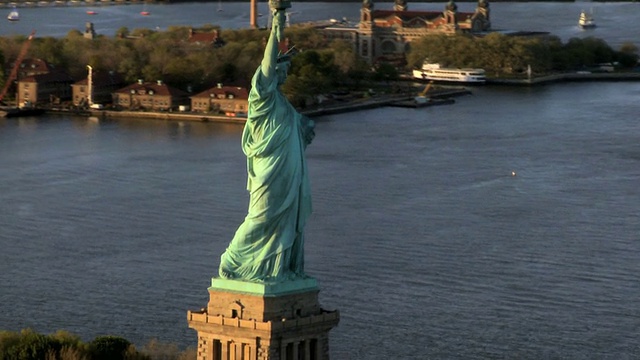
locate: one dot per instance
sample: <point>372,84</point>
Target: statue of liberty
<point>268,246</point>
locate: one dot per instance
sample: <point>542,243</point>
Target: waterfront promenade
<point>408,94</point>
<point>329,108</point>
<point>334,108</point>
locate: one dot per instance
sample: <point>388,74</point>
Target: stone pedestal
<point>252,321</point>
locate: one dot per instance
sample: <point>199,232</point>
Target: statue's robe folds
<point>269,245</point>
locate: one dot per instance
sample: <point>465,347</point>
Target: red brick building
<point>384,34</point>
<point>104,83</point>
<point>205,38</point>
<point>224,99</point>
<point>156,96</point>
<point>44,89</point>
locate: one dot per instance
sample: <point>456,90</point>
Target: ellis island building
<point>385,35</point>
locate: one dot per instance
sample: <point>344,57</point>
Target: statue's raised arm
<point>270,57</point>
<point>268,247</point>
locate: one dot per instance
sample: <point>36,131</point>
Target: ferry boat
<point>435,72</point>
<point>586,21</point>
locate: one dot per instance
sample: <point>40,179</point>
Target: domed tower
<point>365,11</point>
<point>400,5</point>
<point>366,29</point>
<point>451,7</point>
<point>483,7</point>
<point>480,20</point>
<point>366,19</point>
<point>450,14</point>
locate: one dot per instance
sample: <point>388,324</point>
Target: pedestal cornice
<point>265,289</point>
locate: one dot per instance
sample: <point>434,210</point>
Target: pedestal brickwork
<point>246,321</point>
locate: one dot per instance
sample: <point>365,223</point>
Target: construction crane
<point>14,72</point>
<point>422,96</point>
<point>426,89</point>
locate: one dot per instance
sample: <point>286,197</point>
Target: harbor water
<point>421,234</point>
<point>504,226</point>
<point>616,21</point>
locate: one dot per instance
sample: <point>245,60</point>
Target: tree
<point>629,48</point>
<point>109,347</point>
<point>50,49</point>
<point>27,346</point>
<point>310,75</point>
<point>305,37</point>
<point>344,57</point>
<point>3,76</point>
<point>628,55</point>
<point>385,72</point>
<point>122,32</point>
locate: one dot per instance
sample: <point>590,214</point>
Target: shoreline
<point>94,3</point>
<point>329,109</point>
<point>351,105</point>
<point>360,104</point>
<point>568,77</point>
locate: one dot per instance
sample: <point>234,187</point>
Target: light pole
<point>90,86</point>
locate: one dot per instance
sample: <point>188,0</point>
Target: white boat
<point>13,15</point>
<point>435,72</point>
<point>586,20</point>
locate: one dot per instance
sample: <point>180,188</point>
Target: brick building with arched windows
<point>386,34</point>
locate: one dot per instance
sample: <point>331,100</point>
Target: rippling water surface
<point>617,21</point>
<point>420,236</point>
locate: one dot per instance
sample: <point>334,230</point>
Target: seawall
<point>328,109</point>
<point>577,76</point>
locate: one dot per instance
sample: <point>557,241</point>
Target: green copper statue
<point>269,245</point>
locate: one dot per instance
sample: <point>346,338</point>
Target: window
<point>388,47</point>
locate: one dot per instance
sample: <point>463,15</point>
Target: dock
<point>10,112</point>
<point>442,96</point>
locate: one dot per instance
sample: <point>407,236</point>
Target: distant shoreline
<point>349,106</point>
<point>386,1</point>
<point>7,3</point>
<point>566,77</point>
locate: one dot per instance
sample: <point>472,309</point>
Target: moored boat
<point>144,11</point>
<point>7,112</point>
<point>435,72</point>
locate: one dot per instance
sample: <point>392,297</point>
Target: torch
<point>279,4</point>
<point>278,8</point>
